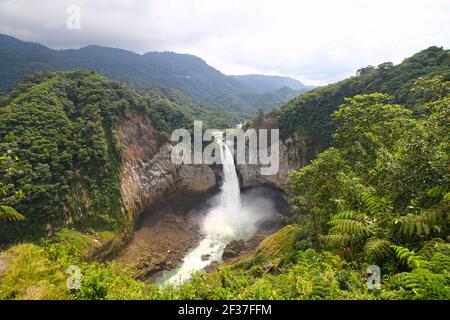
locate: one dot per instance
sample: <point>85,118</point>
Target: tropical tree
<point>8,164</point>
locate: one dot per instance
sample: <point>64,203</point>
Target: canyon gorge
<point>185,216</point>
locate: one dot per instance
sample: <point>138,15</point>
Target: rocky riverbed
<point>161,240</point>
<point>164,236</point>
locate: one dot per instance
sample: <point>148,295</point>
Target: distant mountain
<point>266,101</point>
<point>186,73</point>
<point>264,84</point>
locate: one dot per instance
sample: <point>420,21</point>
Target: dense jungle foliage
<point>211,117</point>
<point>309,114</point>
<point>62,129</point>
<point>380,197</point>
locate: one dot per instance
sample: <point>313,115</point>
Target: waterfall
<point>230,196</point>
<point>223,220</point>
<point>227,220</point>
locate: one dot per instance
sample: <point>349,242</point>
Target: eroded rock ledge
<point>292,156</point>
<point>157,195</point>
<point>250,175</point>
<point>149,176</point>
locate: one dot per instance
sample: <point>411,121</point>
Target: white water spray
<point>220,220</point>
<point>227,220</point>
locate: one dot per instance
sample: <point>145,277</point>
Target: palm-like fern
<point>408,257</point>
<point>341,240</point>
<point>348,228</point>
<point>8,213</point>
<point>353,228</point>
<point>374,204</point>
<point>431,247</point>
<point>418,284</point>
<point>428,279</point>
<point>377,248</point>
<point>420,225</point>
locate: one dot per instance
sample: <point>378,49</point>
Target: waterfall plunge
<point>229,219</point>
<point>222,221</point>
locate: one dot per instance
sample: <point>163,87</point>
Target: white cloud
<point>317,41</point>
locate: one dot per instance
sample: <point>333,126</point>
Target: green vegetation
<point>8,197</point>
<point>280,270</point>
<point>310,113</point>
<point>236,97</point>
<point>378,195</point>
<point>267,101</point>
<point>385,190</point>
<point>42,272</point>
<point>63,128</point>
<point>172,98</point>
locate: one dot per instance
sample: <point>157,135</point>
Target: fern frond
<point>408,257</point>
<point>341,240</point>
<point>350,227</point>
<point>431,247</point>
<point>348,215</point>
<point>10,214</point>
<point>378,248</point>
<point>419,225</point>
<point>420,284</point>
<point>375,204</point>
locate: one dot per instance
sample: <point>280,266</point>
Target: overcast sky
<point>316,41</point>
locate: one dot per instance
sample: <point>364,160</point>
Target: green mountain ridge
<point>309,114</point>
<point>261,83</point>
<point>186,73</point>
<point>63,126</point>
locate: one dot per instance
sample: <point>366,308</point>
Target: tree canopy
<point>63,128</point>
<point>309,114</point>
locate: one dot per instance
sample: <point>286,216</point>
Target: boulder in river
<point>233,249</point>
<point>206,257</point>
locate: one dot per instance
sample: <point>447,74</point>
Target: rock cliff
<point>291,156</point>
<point>149,176</point>
<point>250,175</point>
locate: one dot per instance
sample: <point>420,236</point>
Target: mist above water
<point>220,223</point>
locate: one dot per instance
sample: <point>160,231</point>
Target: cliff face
<point>250,175</point>
<point>149,176</point>
<point>292,151</point>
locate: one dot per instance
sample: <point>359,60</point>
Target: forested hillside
<point>62,129</point>
<point>212,117</point>
<point>266,101</point>
<point>379,199</point>
<point>310,114</point>
<point>189,74</point>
